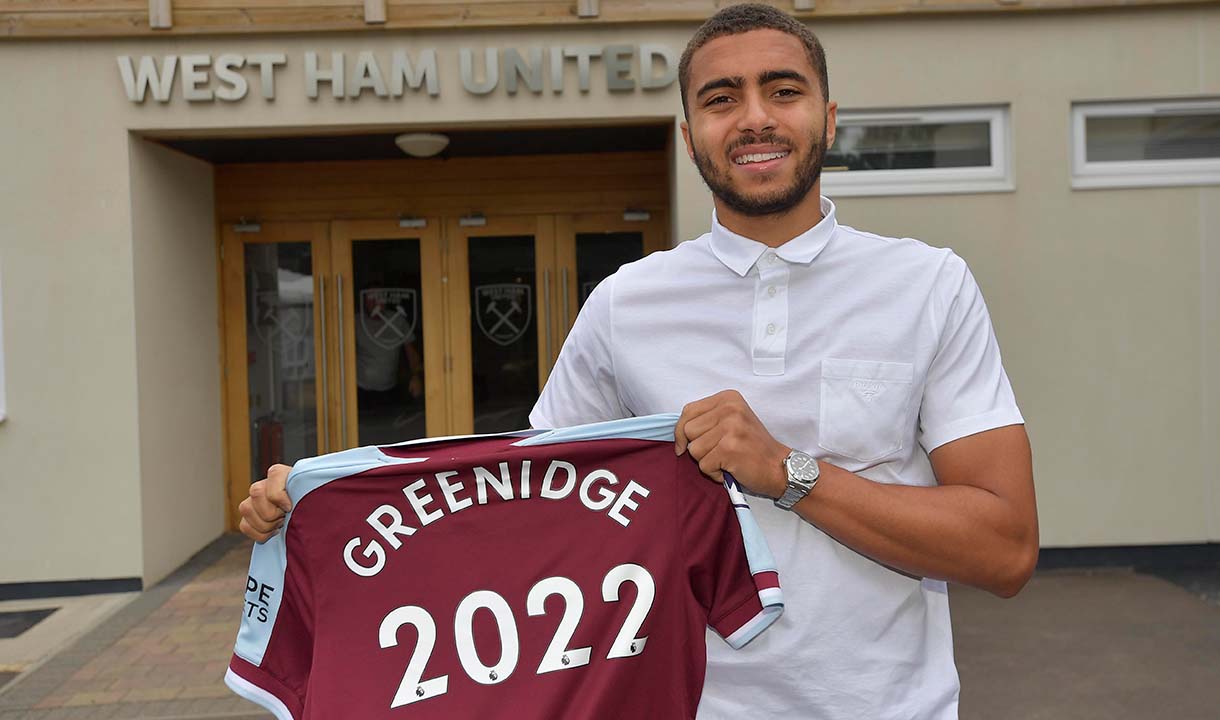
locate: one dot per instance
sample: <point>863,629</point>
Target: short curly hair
<point>737,19</point>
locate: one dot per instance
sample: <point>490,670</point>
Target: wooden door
<point>275,363</point>
<point>389,335</point>
<point>503,337</point>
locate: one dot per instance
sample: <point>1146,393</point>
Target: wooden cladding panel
<point>450,188</point>
<point>263,4</point>
<point>72,6</point>
<point>86,18</point>
<point>382,171</point>
<point>386,207</point>
<point>387,189</point>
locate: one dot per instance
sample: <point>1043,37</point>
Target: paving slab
<point>1088,644</point>
<point>64,621</point>
<point>161,656</point>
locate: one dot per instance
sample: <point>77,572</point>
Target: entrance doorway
<point>377,300</point>
<point>361,332</point>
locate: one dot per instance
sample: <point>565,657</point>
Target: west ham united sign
<point>229,77</point>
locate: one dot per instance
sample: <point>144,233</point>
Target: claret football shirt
<point>566,573</point>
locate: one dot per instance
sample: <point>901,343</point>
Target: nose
<point>755,115</point>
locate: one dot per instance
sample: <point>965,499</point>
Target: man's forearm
<point>960,533</point>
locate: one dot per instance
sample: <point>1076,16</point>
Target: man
<point>853,378</point>
<point>389,368</point>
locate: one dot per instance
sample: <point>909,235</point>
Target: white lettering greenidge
<point>459,493</point>
<point>228,77</point>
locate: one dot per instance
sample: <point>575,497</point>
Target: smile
<point>759,157</point>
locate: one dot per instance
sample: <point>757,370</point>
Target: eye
<point>717,100</point>
<point>787,92</point>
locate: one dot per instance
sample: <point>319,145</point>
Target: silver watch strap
<point>797,487</point>
<point>792,495</point>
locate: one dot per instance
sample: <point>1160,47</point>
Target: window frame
<point>1138,173</point>
<point>997,177</point>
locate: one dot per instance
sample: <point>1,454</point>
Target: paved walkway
<point>1090,645</point>
<point>1078,644</point>
<point>163,655</point>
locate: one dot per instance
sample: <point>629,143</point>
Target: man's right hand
<point>262,514</point>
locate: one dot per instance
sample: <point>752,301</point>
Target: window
<point>919,152</point>
<point>1138,144</point>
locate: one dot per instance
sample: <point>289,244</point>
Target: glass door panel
<point>385,295</point>
<point>589,247</point>
<point>275,364</point>
<point>280,339</point>
<point>501,282</point>
<point>600,254</point>
<point>391,384</point>
<point>504,331</point>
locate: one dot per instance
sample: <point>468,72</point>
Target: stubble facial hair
<point>776,203</point>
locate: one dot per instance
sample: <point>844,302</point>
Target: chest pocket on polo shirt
<point>864,407</point>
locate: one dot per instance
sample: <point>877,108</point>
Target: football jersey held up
<point>569,573</point>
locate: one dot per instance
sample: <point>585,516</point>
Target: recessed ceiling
<point>462,143</point>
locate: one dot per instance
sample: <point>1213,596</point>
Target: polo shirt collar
<point>739,253</point>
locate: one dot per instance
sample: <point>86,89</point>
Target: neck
<point>774,230</point>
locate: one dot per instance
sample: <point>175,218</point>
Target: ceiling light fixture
<point>421,145</point>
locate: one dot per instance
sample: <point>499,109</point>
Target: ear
<point>690,149</point>
<point>832,120</point>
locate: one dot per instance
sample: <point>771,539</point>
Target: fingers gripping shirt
<point>568,573</point>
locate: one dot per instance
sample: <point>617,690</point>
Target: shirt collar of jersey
<point>739,253</point>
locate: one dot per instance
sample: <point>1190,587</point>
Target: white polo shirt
<point>867,352</point>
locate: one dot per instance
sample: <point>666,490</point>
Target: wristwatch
<point>802,472</point>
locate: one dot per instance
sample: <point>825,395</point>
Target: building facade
<point>215,256</point>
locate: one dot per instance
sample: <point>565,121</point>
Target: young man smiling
<point>852,378</point>
<point>851,382</point>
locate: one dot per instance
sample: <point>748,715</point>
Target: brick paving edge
<point>29,688</point>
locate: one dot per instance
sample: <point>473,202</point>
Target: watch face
<point>802,466</point>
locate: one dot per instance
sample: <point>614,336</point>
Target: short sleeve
<point>271,661</point>
<point>967,390</point>
<point>582,387</point>
<point>730,567</point>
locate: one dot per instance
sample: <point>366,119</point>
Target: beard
<point>777,202</point>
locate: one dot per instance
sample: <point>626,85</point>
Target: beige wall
<point>1209,329</point>
<point>177,355</point>
<point>1105,301</point>
<point>1100,297</point>
<point>69,465</point>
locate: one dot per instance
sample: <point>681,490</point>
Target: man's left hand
<point>724,435</point>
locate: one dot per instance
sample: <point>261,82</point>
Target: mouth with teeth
<point>753,158</point>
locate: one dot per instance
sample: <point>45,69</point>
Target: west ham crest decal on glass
<point>388,315</point>
<point>503,311</point>
<point>280,318</point>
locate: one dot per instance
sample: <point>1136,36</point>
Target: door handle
<point>546,304</point>
<point>325,444</point>
<point>342,364</point>
<point>567,319</point>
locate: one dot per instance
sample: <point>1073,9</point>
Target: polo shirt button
<point>771,291</point>
<point>770,328</point>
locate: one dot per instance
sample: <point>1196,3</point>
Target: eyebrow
<point>771,76</point>
<point>734,83</point>
<point>737,81</point>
